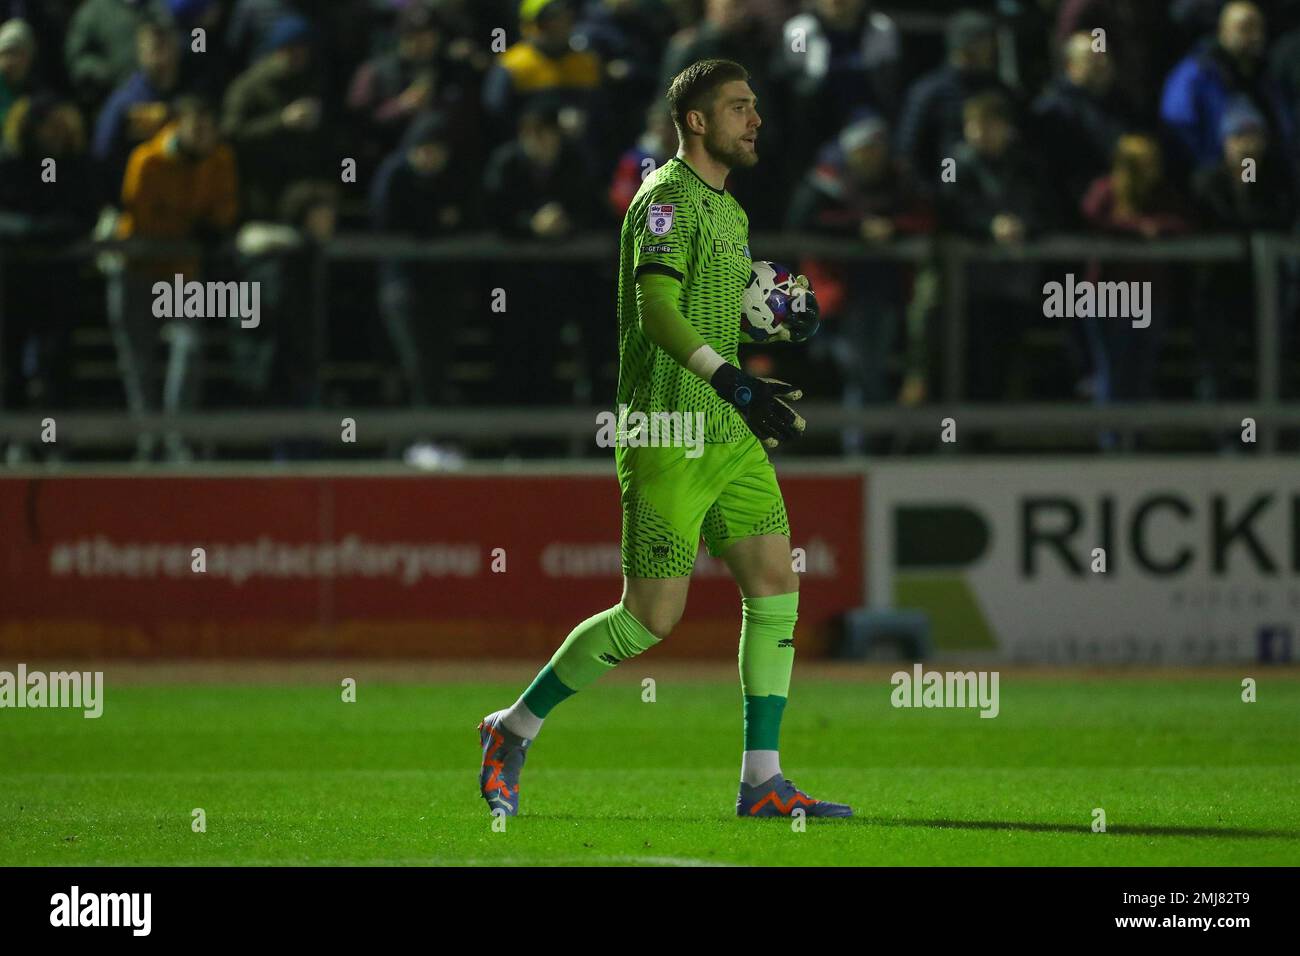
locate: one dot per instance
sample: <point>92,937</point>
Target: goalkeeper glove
<point>804,316</point>
<point>760,403</point>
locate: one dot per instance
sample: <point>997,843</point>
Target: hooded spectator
<point>273,117</point>
<point>421,191</point>
<point>100,49</point>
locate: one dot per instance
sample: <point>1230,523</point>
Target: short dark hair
<point>695,87</point>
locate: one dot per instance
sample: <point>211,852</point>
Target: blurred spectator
<point>276,363</point>
<point>34,210</point>
<point>49,21</point>
<point>1001,193</point>
<point>1284,71</point>
<point>730,30</point>
<point>538,188</point>
<point>546,62</point>
<point>1229,200</point>
<point>139,108</point>
<point>202,71</point>
<point>250,24</point>
<point>839,58</point>
<point>273,116</point>
<point>1138,39</point>
<point>418,75</point>
<point>17,53</point>
<point>931,122</point>
<point>1080,118</point>
<point>180,185</point>
<point>858,191</point>
<point>1135,199</point>
<point>1219,73</point>
<point>657,145</point>
<point>422,191</point>
<point>38,128</point>
<point>100,49</point>
<point>630,37</point>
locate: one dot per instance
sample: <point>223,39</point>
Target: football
<point>771,302</point>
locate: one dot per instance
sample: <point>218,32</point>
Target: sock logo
<point>785,642</point>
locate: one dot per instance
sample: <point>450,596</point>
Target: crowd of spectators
<point>233,122</point>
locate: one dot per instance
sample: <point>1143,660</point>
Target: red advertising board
<point>438,566</point>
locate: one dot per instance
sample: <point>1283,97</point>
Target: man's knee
<point>658,614</point>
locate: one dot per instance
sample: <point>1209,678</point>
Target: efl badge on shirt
<point>660,218</point>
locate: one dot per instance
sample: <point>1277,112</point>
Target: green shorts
<point>669,501</point>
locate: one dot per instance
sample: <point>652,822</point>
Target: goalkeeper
<point>684,263</point>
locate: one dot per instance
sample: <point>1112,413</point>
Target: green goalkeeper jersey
<point>679,225</point>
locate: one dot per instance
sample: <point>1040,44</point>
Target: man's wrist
<point>704,362</point>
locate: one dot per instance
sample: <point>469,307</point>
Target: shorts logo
<point>660,551</point>
<point>660,218</point>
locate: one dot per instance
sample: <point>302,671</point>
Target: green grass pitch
<point>1186,773</point>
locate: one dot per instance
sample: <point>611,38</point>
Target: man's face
<point>60,133</point>
<point>989,135</point>
<point>1086,69</point>
<point>870,160</point>
<point>1241,31</point>
<point>840,12</point>
<point>1250,144</point>
<point>418,46</point>
<point>158,56</point>
<point>540,140</point>
<point>15,64</point>
<point>428,159</point>
<point>979,56</point>
<point>726,15</point>
<point>556,28</point>
<point>294,59</point>
<point>319,222</point>
<point>197,133</point>
<point>731,126</point>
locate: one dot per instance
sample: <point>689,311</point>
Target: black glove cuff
<point>729,382</point>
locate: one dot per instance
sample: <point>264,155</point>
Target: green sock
<point>766,660</point>
<point>595,646</point>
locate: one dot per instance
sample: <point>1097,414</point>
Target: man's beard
<point>731,153</point>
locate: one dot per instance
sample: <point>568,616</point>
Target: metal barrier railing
<point>1262,253</point>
